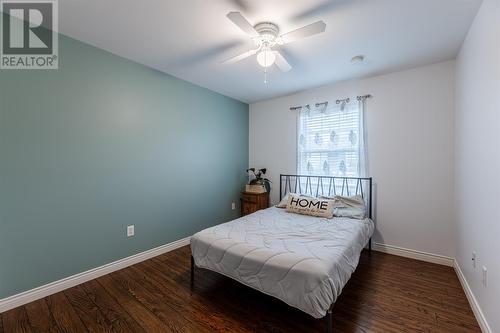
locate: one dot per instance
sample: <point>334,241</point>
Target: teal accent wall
<point>103,143</point>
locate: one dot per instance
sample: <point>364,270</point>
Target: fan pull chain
<point>265,76</point>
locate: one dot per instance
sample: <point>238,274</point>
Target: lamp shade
<point>266,58</point>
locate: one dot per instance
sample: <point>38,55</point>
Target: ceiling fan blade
<point>321,9</point>
<point>241,5</point>
<point>282,63</point>
<point>242,23</point>
<point>306,31</point>
<point>203,55</point>
<point>240,57</point>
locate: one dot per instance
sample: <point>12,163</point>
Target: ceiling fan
<point>267,38</point>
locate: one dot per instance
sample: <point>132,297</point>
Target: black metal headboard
<point>328,186</point>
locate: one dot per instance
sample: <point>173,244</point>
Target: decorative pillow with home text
<point>310,206</point>
<point>283,202</point>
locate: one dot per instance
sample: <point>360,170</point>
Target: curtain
<point>363,147</point>
<point>332,140</point>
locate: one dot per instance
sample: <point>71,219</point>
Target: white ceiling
<point>190,38</point>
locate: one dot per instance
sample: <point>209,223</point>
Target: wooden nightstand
<point>252,202</point>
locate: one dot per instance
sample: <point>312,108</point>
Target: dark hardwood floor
<point>385,294</point>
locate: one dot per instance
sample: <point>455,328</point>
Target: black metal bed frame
<point>323,186</point>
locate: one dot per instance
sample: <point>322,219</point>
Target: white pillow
<point>283,202</point>
<point>352,207</point>
<point>309,206</point>
<point>350,212</point>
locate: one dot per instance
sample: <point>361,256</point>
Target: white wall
<point>410,143</point>
<point>477,158</point>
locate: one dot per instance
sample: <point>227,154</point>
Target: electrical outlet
<point>474,259</point>
<point>130,231</point>
<point>485,276</point>
<point>233,205</point>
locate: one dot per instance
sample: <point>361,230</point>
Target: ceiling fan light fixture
<point>266,58</point>
<point>268,40</point>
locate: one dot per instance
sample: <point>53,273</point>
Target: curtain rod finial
<point>362,98</point>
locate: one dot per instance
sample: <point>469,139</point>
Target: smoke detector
<point>359,59</point>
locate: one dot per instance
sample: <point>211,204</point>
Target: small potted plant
<point>258,180</point>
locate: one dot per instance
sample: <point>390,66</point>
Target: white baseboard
<point>414,254</point>
<point>485,328</point>
<point>60,285</point>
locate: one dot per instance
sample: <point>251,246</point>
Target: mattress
<point>304,261</point>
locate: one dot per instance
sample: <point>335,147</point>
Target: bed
<point>305,261</point>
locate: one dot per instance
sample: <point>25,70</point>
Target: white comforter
<point>303,260</point>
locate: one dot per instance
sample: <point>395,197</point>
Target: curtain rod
<point>338,101</point>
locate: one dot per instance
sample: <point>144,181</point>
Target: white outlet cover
<point>130,231</point>
<point>233,206</point>
<point>485,276</point>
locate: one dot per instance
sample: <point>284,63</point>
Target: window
<point>331,140</point>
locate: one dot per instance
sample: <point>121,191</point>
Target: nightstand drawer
<point>250,198</point>
<point>249,208</point>
<point>252,202</point>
